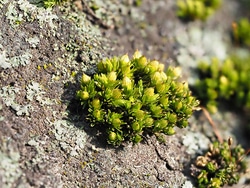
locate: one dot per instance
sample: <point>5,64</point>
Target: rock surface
<point>45,141</point>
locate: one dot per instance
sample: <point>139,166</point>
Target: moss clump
<point>197,9</point>
<point>221,165</point>
<point>131,97</point>
<point>241,31</point>
<point>228,81</point>
<point>51,3</point>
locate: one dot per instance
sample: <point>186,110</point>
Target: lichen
<point>10,170</point>
<point>71,139</point>
<point>8,95</point>
<point>22,11</point>
<point>23,60</point>
<point>36,91</point>
<point>3,2</point>
<point>195,142</point>
<point>187,184</point>
<point>13,16</point>
<point>33,41</point>
<point>194,45</point>
<point>4,61</point>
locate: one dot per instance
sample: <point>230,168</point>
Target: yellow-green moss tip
<point>132,97</point>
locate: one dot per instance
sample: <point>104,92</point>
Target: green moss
<point>221,165</point>
<point>138,2</point>
<point>241,31</point>
<point>132,97</point>
<point>51,3</point>
<point>197,9</point>
<point>228,81</point>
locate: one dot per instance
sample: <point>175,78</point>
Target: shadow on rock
<point>77,115</point>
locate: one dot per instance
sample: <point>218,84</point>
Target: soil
<point>45,140</point>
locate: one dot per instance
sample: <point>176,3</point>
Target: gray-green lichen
<point>23,11</point>
<point>10,170</point>
<point>3,60</point>
<point>8,95</point>
<point>15,61</point>
<point>71,139</point>
<point>110,11</point>
<point>187,184</point>
<point>13,16</point>
<point>19,13</point>
<point>195,142</point>
<point>36,91</point>
<point>42,149</point>
<point>33,41</point>
<point>194,45</point>
<point>2,2</point>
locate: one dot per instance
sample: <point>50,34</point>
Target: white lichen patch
<point>42,158</point>
<point>36,92</point>
<point>23,60</point>
<point>9,164</point>
<point>23,11</point>
<point>47,17</point>
<point>39,146</point>
<point>13,16</point>
<point>33,41</point>
<point>187,184</point>
<point>33,90</point>
<point>195,142</point>
<point>71,139</point>
<point>110,11</point>
<point>195,45</point>
<point>15,61</point>
<point>8,95</point>
<point>3,2</point>
<point>4,61</point>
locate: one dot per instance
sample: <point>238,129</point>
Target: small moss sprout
<point>130,97</point>
<point>241,31</point>
<point>197,9</point>
<point>221,165</point>
<point>51,3</point>
<point>227,80</point>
